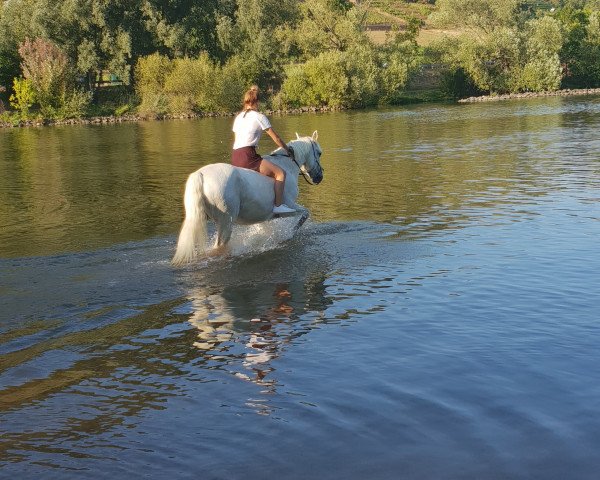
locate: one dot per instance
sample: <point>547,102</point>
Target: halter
<point>308,176</point>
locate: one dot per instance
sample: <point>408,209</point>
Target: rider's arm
<point>278,141</point>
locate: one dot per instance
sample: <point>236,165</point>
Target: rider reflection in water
<point>248,127</point>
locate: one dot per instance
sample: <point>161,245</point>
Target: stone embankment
<point>104,120</point>
<point>509,96</point>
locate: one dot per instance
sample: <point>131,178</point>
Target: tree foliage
<point>328,25</point>
<point>24,95</point>
<point>581,48</point>
<point>47,68</point>
<point>478,15</point>
<point>52,79</point>
<point>504,50</point>
<point>185,56</point>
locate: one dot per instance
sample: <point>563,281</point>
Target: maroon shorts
<point>246,157</point>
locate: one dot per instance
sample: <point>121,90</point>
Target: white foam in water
<point>261,237</point>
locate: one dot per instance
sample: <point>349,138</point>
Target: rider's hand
<point>290,151</point>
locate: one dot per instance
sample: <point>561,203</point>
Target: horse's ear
<point>315,135</point>
<point>297,136</point>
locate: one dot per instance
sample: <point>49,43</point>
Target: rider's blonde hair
<point>251,98</point>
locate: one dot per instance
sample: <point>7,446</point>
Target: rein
<point>306,176</point>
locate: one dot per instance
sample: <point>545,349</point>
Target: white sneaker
<point>283,208</point>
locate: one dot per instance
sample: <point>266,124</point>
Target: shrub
<point>543,42</point>
<point>151,73</point>
<point>231,81</point>
<point>295,87</point>
<point>47,68</point>
<point>456,83</point>
<point>491,61</point>
<point>74,104</point>
<point>364,72</point>
<point>321,81</point>
<point>397,64</point>
<point>190,85</point>
<point>23,97</point>
<point>541,74</point>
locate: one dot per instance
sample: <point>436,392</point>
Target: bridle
<point>315,171</point>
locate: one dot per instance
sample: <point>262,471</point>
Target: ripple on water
<point>437,317</point>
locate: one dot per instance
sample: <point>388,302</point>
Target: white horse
<point>228,195</point>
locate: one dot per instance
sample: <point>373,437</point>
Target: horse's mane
<point>301,147</point>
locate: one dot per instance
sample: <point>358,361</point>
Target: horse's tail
<point>193,231</point>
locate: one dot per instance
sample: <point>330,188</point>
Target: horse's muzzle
<point>316,174</point>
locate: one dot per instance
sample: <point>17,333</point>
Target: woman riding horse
<point>248,127</point>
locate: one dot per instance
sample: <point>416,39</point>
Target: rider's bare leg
<point>271,170</point>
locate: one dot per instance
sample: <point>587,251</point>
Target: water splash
<point>261,237</point>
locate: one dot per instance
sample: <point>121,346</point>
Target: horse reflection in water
<point>262,321</point>
<point>262,342</point>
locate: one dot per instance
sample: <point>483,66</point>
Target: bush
<point>51,78</point>
<point>543,42</point>
<point>365,74</point>
<point>74,104</point>
<point>398,61</point>
<point>231,81</point>
<point>47,68</point>
<point>362,76</point>
<point>541,74</point>
<point>151,73</point>
<point>456,83</point>
<point>321,81</point>
<point>190,85</point>
<point>294,88</point>
<point>24,95</point>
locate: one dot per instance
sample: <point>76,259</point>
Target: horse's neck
<point>280,158</point>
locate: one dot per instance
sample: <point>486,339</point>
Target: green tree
<point>502,48</point>
<point>47,68</point>
<point>478,15</point>
<point>187,27</point>
<point>15,24</point>
<point>255,32</point>
<point>151,74</point>
<point>329,25</point>
<point>579,54</point>
<point>543,41</point>
<point>111,34</point>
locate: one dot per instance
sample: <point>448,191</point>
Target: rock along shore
<point>557,93</point>
<point>104,120</point>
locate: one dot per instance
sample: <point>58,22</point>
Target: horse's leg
<point>224,229</point>
<point>303,218</point>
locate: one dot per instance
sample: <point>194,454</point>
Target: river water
<point>437,318</point>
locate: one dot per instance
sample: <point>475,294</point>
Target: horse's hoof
<point>218,251</point>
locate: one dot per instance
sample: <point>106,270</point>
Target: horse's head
<point>307,152</point>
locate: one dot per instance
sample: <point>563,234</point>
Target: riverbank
<point>110,119</point>
<point>509,96</point>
